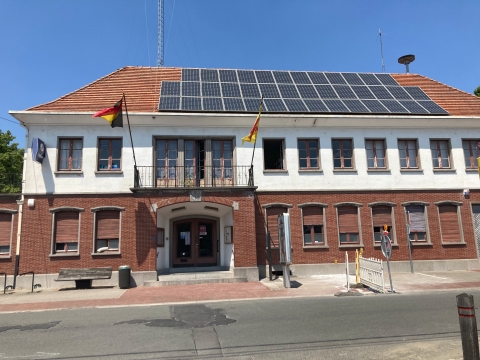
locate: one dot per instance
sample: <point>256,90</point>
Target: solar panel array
<point>218,90</point>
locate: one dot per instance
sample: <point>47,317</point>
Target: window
<point>313,225</point>
<point>66,230</point>
<point>107,231</point>
<point>376,154</point>
<point>272,223</point>
<point>308,154</point>
<point>348,228</point>
<point>6,224</point>
<point>440,154</point>
<point>408,154</point>
<point>449,223</point>
<point>381,215</point>
<point>70,154</point>
<point>273,154</point>
<point>418,225</point>
<point>167,152</point>
<point>222,157</point>
<point>342,154</point>
<point>109,154</point>
<point>470,152</point>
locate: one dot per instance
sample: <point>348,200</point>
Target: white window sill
<point>374,170</point>
<point>5,256</point>
<point>72,254</point>
<point>420,243</point>
<point>68,172</point>
<point>275,171</point>
<point>472,170</point>
<point>344,246</point>
<point>411,170</point>
<point>453,243</point>
<point>107,253</point>
<point>353,171</point>
<point>445,170</point>
<point>319,171</point>
<point>109,172</point>
<point>308,247</point>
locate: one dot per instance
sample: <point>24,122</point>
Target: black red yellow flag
<point>113,115</point>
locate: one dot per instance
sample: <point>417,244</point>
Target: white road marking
<point>34,356</point>
<point>434,276</point>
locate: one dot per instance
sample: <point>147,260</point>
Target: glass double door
<point>195,243</point>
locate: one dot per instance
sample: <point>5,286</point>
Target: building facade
<point>187,194</point>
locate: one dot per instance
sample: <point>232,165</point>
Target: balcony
<point>10,183</point>
<point>175,177</point>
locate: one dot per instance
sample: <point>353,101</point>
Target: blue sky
<point>51,47</point>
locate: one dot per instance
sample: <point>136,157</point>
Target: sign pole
<point>346,270</point>
<point>407,218</point>
<point>387,252</point>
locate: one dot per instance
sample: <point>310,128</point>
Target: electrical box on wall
<point>228,235</point>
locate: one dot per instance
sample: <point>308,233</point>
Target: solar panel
<point>246,76</point>
<point>398,93</point>
<point>432,107</point>
<point>190,75</point>
<point>250,90</point>
<point>370,79</point>
<point>318,78</point>
<point>326,92</point>
<point>234,104</point>
<point>252,104</point>
<point>394,106</point>
<point>170,88</point>
<point>336,106</point>
<point>362,92</point>
<point>282,77</point>
<point>316,105</point>
<point>416,93</point>
<point>380,92</point>
<point>265,77</point>
<point>386,79</point>
<point>212,104</point>
<point>190,89</point>
<point>335,78</point>
<point>228,76</point>
<point>169,103</point>
<point>231,90</point>
<point>209,75</point>
<point>288,91</point>
<point>269,90</point>
<point>307,91</point>
<point>300,77</point>
<point>295,105</point>
<point>413,107</point>
<point>344,92</point>
<point>211,89</point>
<point>191,103</point>
<point>275,105</point>
<point>352,79</point>
<point>375,106</point>
<point>356,106</point>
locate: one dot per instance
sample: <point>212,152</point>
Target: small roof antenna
<point>406,60</point>
<point>381,49</point>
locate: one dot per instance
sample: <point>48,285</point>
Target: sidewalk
<point>319,285</point>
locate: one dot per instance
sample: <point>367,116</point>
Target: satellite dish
<point>406,60</point>
<point>100,250</point>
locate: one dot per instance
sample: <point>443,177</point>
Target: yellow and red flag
<point>113,115</point>
<point>252,136</point>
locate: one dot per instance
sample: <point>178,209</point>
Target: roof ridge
<point>83,87</point>
<point>438,82</point>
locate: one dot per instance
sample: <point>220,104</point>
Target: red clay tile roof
<point>141,86</point>
<point>456,102</point>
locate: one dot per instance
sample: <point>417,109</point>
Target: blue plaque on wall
<point>39,150</point>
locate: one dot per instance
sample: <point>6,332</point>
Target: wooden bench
<point>83,277</point>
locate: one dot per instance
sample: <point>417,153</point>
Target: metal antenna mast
<point>160,33</point>
<point>381,49</point>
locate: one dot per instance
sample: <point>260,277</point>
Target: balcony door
<point>194,163</point>
<point>166,163</point>
<point>222,157</point>
<point>194,243</point>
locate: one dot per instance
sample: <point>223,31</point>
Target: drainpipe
<point>20,209</point>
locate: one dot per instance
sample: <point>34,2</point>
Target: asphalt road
<point>420,326</point>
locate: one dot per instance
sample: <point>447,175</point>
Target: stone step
<point>186,281</point>
<point>196,275</point>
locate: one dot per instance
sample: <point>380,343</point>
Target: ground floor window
<point>6,221</point>
<point>381,215</point>
<point>348,228</point>
<point>107,231</point>
<point>66,232</point>
<point>272,223</point>
<point>313,225</point>
<point>418,224</point>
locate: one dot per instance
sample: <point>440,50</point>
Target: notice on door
<point>203,230</point>
<point>187,238</point>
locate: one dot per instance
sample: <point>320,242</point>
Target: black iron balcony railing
<point>193,176</point>
<point>10,183</point>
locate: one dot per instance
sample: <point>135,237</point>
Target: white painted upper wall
<point>41,179</point>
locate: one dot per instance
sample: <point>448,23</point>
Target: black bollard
<point>468,326</point>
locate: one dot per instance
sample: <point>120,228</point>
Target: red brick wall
<point>7,264</point>
<point>435,251</point>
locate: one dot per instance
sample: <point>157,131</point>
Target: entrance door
<point>195,243</point>
<point>194,163</point>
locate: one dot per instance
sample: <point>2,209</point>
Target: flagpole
<point>136,174</point>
